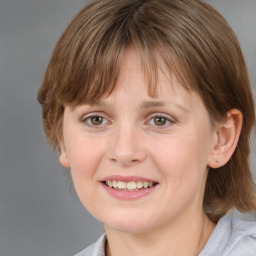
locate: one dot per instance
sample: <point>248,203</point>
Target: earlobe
<point>226,138</point>
<point>63,158</point>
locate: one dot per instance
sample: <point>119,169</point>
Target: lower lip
<point>128,195</point>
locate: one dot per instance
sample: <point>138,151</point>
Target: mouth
<point>129,186</point>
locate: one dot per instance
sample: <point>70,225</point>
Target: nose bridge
<point>125,145</point>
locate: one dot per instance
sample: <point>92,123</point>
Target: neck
<point>182,238</point>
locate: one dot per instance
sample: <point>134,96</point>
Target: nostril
<point>126,158</point>
<point>125,150</point>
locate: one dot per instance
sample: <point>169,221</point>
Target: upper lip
<point>127,178</point>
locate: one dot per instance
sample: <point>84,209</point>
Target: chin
<point>129,223</point>
<point>127,228</point>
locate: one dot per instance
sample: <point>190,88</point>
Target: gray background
<point>40,214</point>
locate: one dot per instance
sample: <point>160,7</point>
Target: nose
<point>126,146</point>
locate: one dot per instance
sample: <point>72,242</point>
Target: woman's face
<point>139,163</point>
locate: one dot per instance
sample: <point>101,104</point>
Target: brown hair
<point>193,41</point>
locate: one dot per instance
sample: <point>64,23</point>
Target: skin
<point>127,138</point>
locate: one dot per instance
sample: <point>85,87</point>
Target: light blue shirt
<point>231,237</point>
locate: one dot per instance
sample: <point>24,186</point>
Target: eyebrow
<point>152,104</point>
<point>144,105</point>
<point>97,103</point>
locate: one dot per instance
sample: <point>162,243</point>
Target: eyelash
<point>168,121</point>
<point>87,120</point>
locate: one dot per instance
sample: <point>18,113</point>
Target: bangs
<point>94,54</point>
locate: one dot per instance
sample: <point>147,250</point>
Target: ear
<point>63,158</point>
<point>226,137</point>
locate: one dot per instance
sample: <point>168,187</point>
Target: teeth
<point>121,185</point>
<point>109,183</point>
<point>114,184</point>
<point>145,184</point>
<point>139,184</point>
<point>129,186</point>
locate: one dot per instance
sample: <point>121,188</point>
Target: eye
<point>95,120</point>
<point>160,121</point>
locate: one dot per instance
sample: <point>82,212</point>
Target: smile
<point>129,186</point>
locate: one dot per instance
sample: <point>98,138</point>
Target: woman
<point>150,106</point>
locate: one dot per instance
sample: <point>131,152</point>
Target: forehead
<point>133,73</point>
<point>132,88</point>
<point>154,72</point>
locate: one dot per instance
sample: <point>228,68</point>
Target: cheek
<point>84,159</point>
<point>82,151</point>
<point>84,156</point>
<point>182,159</point>
<point>184,173</point>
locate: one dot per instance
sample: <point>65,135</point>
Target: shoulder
<point>95,249</point>
<point>232,236</point>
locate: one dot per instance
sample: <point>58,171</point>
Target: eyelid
<point>171,120</point>
<point>86,117</point>
<point>168,117</point>
<point>92,114</point>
